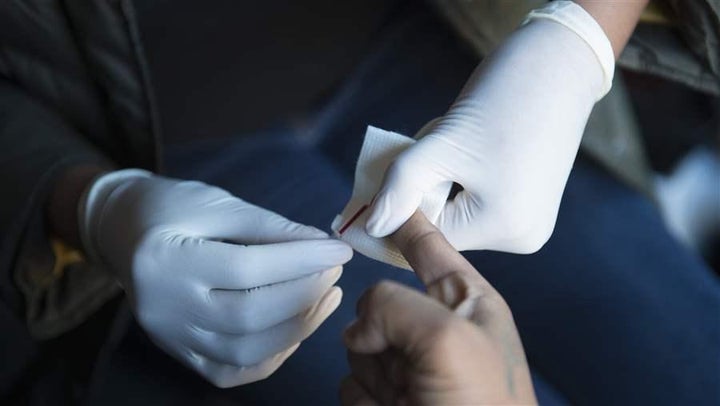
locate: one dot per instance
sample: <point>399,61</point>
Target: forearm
<point>617,18</point>
<point>62,206</point>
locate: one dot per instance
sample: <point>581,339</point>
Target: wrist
<point>577,20</point>
<point>90,206</point>
<point>61,208</point>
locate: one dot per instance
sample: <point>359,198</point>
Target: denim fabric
<point>611,311</point>
<point>280,173</point>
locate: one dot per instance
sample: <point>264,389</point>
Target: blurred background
<point>323,70</point>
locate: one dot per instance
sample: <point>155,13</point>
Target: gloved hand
<point>509,140</point>
<point>226,287</point>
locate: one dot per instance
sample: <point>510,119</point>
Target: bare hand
<point>457,344</point>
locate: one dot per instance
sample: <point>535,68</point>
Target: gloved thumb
<point>455,220</point>
<point>398,198</point>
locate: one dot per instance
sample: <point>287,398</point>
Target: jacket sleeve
<point>51,287</point>
<point>700,26</point>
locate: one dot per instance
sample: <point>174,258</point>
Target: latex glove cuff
<point>579,21</point>
<point>92,202</point>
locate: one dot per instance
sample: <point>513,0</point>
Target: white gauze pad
<point>379,149</point>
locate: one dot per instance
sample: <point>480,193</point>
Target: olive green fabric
<point>687,51</point>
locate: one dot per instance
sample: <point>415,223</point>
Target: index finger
<point>428,252</point>
<point>228,266</point>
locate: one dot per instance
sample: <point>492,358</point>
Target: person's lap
<point>279,173</point>
<point>612,310</point>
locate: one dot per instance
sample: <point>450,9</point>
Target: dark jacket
<point>73,89</point>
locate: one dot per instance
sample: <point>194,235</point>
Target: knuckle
<point>497,304</point>
<point>490,307</point>
<point>526,233</point>
<point>445,336</point>
<point>513,224</point>
<point>381,291</point>
<point>376,296</point>
<point>144,318</point>
<point>531,242</point>
<point>425,238</point>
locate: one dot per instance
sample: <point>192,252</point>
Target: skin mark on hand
<point>513,358</point>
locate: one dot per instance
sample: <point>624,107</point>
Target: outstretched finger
<point>428,252</point>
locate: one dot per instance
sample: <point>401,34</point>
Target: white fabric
<point>689,198</point>
<point>509,140</point>
<point>378,151</point>
<point>574,17</point>
<point>226,287</point>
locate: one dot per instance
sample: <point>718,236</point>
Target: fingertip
<point>335,273</point>
<point>334,298</point>
<point>340,251</point>
<point>329,302</point>
<point>386,219</point>
<point>374,224</point>
<point>346,253</point>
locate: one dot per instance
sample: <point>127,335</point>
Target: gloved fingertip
<point>334,297</point>
<point>390,211</point>
<point>375,225</point>
<point>344,252</point>
<point>388,225</point>
<point>330,302</point>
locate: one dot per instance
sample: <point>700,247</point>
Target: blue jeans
<point>611,311</point>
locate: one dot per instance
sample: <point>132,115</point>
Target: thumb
<point>398,198</point>
<point>430,255</point>
<point>459,222</point>
<point>391,315</point>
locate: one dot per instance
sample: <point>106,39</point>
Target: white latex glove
<point>509,140</point>
<point>226,287</point>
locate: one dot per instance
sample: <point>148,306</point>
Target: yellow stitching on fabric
<point>656,14</point>
<point>64,256</point>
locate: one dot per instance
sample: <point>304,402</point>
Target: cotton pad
<point>379,149</point>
